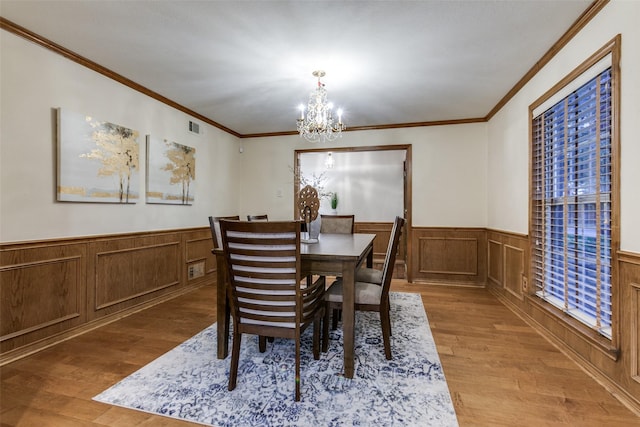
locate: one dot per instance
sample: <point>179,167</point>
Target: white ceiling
<point>247,64</point>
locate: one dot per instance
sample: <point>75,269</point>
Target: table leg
<point>222,305</point>
<point>370,258</point>
<point>348,316</point>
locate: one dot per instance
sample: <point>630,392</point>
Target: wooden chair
<point>267,297</point>
<point>214,224</point>
<point>337,224</point>
<point>370,296</point>
<point>264,217</point>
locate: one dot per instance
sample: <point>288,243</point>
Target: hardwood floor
<point>500,371</point>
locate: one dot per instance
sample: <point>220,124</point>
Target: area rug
<point>190,383</point>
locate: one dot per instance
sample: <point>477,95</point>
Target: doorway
<point>372,182</point>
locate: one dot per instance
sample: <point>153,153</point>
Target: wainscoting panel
<point>133,270</point>
<point>494,260</point>
<point>514,269</point>
<point>57,279</point>
<point>508,261</point>
<point>630,315</point>
<point>198,246</point>
<point>42,291</point>
<point>635,332</point>
<point>53,289</point>
<point>449,255</point>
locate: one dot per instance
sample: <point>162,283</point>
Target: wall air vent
<point>194,127</point>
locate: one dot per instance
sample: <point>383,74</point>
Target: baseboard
<point>449,283</point>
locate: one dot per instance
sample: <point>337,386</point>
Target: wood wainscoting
<point>54,289</point>
<point>507,262</point>
<point>382,230</point>
<point>449,255</point>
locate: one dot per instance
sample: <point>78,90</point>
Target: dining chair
<point>267,297</point>
<point>214,224</point>
<point>337,224</point>
<point>263,217</point>
<point>370,296</point>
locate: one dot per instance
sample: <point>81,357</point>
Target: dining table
<point>332,255</point>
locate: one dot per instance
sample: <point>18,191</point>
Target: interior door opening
<point>374,183</point>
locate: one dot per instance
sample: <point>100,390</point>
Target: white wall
<point>369,184</point>
<point>449,172</point>
<point>471,175</point>
<point>508,165</point>
<point>34,81</point>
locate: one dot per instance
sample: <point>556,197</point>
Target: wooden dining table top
<point>337,246</point>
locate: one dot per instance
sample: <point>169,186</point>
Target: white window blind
<point>574,84</point>
<point>571,206</point>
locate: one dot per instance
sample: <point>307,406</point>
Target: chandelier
<point>329,163</point>
<point>318,125</point>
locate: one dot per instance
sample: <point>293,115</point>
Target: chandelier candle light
<point>318,125</point>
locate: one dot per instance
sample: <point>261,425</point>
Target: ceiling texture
<point>245,66</point>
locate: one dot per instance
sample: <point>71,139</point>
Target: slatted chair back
<point>390,257</point>
<point>265,291</point>
<point>214,224</point>
<point>337,224</point>
<point>262,217</point>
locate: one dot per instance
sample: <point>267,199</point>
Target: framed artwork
<point>97,161</point>
<point>171,172</point>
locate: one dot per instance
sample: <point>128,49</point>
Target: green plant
<point>334,200</point>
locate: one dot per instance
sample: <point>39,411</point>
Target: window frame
<point>610,346</point>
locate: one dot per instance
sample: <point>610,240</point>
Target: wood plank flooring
<point>500,371</point>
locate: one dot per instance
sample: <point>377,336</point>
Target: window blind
<point>571,206</point>
<point>575,83</point>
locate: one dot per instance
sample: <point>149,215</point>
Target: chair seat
<point>369,275</point>
<point>371,294</point>
<point>366,293</point>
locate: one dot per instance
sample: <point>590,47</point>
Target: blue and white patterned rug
<point>190,383</point>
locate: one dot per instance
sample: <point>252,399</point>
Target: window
<point>572,206</point>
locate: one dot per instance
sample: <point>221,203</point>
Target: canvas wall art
<point>97,161</point>
<point>171,172</point>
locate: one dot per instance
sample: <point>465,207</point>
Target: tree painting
<point>97,161</point>
<point>182,165</point>
<point>171,171</point>
<point>117,150</point>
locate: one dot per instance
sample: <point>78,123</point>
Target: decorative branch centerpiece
<point>308,207</point>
